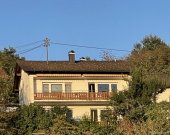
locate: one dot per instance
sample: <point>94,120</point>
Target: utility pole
<point>46,44</point>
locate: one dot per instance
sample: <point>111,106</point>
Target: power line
<point>28,50</point>
<point>91,47</point>
<point>29,44</point>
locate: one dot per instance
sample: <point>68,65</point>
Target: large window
<point>103,87</point>
<point>56,87</point>
<point>45,87</point>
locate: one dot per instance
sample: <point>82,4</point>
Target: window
<point>56,87</point>
<point>68,87</point>
<point>103,87</point>
<point>114,87</point>
<point>45,87</point>
<point>93,115</point>
<point>92,87</point>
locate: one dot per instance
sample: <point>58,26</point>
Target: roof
<point>74,67</point>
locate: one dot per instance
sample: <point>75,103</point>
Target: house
<point>83,86</point>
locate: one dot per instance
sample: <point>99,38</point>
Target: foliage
<point>62,122</point>
<point>5,88</point>
<point>7,63</point>
<point>142,93</point>
<point>7,122</point>
<point>152,55</point>
<point>144,90</point>
<point>8,59</point>
<point>158,121</point>
<point>62,127</point>
<point>7,97</point>
<point>86,126</point>
<point>107,56</point>
<point>106,126</point>
<point>32,118</point>
<point>149,61</point>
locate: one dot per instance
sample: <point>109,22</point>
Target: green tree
<point>152,55</point>
<point>8,59</point>
<point>158,121</point>
<point>63,127</point>
<point>31,119</point>
<point>149,62</point>
<point>62,122</point>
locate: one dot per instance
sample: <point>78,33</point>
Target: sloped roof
<point>77,67</point>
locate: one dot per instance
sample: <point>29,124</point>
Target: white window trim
<point>62,83</point>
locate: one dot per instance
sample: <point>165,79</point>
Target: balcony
<point>73,96</point>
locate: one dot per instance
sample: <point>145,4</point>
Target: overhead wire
<point>62,44</point>
<point>91,47</point>
<point>28,44</point>
<point>28,50</point>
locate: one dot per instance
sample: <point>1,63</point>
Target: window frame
<point>59,84</point>
<point>115,90</point>
<point>45,91</point>
<point>103,90</point>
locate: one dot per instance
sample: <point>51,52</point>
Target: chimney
<point>83,59</point>
<point>71,56</point>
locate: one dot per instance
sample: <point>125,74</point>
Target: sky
<point>112,24</point>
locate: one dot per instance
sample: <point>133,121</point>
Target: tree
<point>8,59</point>
<point>5,90</point>
<point>149,62</point>
<point>152,55</point>
<point>158,120</point>
<point>63,127</point>
<point>107,56</point>
<point>31,119</point>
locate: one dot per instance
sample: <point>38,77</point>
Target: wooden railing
<point>73,96</point>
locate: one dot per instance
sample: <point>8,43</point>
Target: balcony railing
<point>73,96</point>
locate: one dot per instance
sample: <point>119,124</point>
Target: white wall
<point>26,94</point>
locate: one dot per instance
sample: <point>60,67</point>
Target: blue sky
<point>116,24</point>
